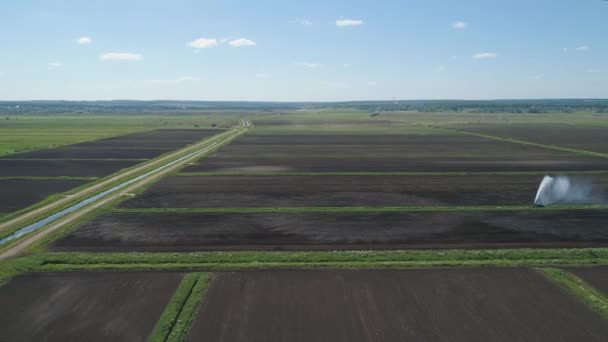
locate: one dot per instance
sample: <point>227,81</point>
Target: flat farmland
<point>21,193</point>
<point>143,145</point>
<point>90,159</point>
<point>62,167</point>
<point>285,190</point>
<point>388,153</point>
<point>468,304</point>
<point>84,306</point>
<point>583,137</point>
<point>597,276</point>
<point>148,231</point>
<point>90,153</point>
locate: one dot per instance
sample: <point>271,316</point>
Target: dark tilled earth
<point>84,306</point>
<point>311,231</point>
<point>16,194</point>
<point>327,191</point>
<point>419,164</point>
<point>56,168</point>
<point>585,137</point>
<point>87,153</point>
<point>144,145</point>
<point>468,304</point>
<point>596,276</point>
<point>389,153</point>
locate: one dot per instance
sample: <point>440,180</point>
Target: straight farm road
<point>165,166</point>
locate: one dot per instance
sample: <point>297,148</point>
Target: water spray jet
<point>564,190</point>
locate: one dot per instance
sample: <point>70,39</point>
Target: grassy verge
<point>175,309</point>
<point>453,257</point>
<point>583,291</point>
<point>359,209</point>
<point>190,308</point>
<point>303,259</point>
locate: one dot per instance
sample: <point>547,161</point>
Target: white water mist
<point>565,190</point>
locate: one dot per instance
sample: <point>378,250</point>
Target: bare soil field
<point>223,163</point>
<point>57,168</point>
<point>184,135</point>
<point>389,153</point>
<point>87,153</point>
<point>346,190</point>
<point>597,276</point>
<point>16,194</point>
<point>467,304</point>
<point>129,144</point>
<point>84,306</point>
<point>144,145</point>
<point>286,122</point>
<point>584,137</point>
<point>329,231</point>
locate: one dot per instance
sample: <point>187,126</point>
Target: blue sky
<point>303,51</point>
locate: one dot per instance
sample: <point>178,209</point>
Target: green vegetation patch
<point>178,315</point>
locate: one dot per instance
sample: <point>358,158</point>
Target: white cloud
<point>304,22</point>
<point>121,56</point>
<point>565,50</point>
<point>346,65</point>
<point>582,48</point>
<point>262,75</point>
<point>372,83</point>
<point>53,65</point>
<point>203,43</point>
<point>310,65</point>
<point>348,22</point>
<point>459,25</point>
<point>440,68</point>
<point>242,42</point>
<point>84,40</point>
<point>485,55</point>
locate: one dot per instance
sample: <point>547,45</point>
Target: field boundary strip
<point>244,260</point>
<point>101,184</point>
<point>586,293</point>
<point>530,143</point>
<point>178,314</point>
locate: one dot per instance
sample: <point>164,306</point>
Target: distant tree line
<point>195,107</point>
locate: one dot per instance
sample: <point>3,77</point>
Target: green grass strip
<point>370,257</point>
<point>169,317</point>
<point>579,288</point>
<point>531,257</point>
<point>358,209</point>
<point>190,309</point>
<point>525,142</point>
<point>456,173</point>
